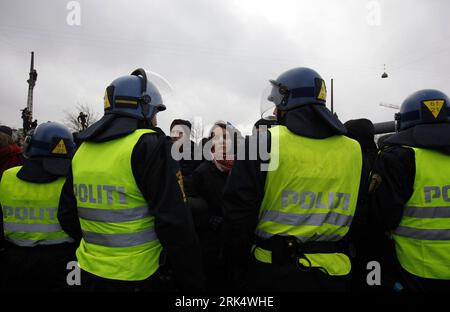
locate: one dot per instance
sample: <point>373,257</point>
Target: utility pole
<point>31,83</point>
<point>332,100</point>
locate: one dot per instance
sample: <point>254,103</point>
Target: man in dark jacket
<point>367,249</point>
<point>363,131</point>
<point>180,133</point>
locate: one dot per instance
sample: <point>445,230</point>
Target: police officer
<point>126,198</point>
<point>291,222</point>
<point>411,194</point>
<point>37,249</point>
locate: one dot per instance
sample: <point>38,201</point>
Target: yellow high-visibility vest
<point>422,240</point>
<point>30,210</point>
<point>119,240</point>
<point>311,193</point>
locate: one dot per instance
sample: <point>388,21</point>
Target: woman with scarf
<point>208,183</point>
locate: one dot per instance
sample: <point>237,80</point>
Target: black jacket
<point>392,186</point>
<point>363,131</point>
<point>155,173</point>
<point>188,166</point>
<point>208,182</point>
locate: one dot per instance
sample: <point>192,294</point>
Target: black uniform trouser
<point>160,281</point>
<point>411,283</point>
<point>39,268</point>
<point>266,277</point>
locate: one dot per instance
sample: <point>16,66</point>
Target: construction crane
<point>31,83</point>
<point>387,126</point>
<point>393,106</point>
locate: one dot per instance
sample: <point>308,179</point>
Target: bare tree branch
<point>71,117</point>
<point>197,130</point>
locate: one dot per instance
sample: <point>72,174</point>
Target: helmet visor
<point>164,87</point>
<point>266,104</point>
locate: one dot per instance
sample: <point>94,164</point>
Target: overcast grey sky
<point>219,54</point>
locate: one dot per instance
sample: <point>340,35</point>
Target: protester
<point>366,248</point>
<point>208,183</point>
<point>10,153</point>
<point>363,131</point>
<point>180,133</point>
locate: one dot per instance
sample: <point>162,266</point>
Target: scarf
<point>225,164</point>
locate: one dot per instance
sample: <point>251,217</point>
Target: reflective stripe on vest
<point>30,227</point>
<point>113,215</point>
<point>323,238</point>
<point>119,241</point>
<point>30,211</point>
<point>312,193</point>
<point>422,239</point>
<point>422,234</point>
<point>427,212</point>
<point>306,219</point>
<point>24,242</point>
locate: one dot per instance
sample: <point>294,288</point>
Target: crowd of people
<point>119,199</point>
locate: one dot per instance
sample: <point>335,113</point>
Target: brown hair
<point>5,140</point>
<point>218,124</point>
